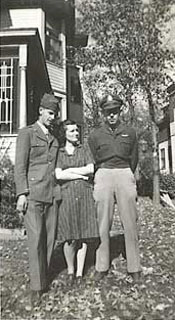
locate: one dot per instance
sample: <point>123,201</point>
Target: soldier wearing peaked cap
<point>36,154</point>
<point>115,150</point>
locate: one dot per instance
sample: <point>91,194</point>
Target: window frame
<point>8,93</point>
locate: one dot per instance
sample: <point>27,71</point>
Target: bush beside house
<point>9,217</point>
<point>145,181</point>
<point>167,183</point>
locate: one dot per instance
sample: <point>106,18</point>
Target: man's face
<point>47,116</point>
<point>112,116</point>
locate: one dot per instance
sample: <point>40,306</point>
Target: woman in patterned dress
<point>77,222</point>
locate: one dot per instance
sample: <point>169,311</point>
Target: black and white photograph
<point>87,159</point>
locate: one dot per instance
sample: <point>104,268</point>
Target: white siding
<point>170,36</point>
<point>29,18</point>
<point>57,77</point>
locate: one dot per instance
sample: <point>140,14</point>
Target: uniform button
<point>76,199</point>
<point>50,162</point>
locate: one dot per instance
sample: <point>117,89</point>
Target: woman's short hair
<point>62,131</point>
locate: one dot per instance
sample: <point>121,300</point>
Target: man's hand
<point>22,204</point>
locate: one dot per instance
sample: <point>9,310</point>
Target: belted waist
<point>105,165</point>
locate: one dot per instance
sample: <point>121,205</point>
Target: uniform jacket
<point>120,145</point>
<point>35,164</point>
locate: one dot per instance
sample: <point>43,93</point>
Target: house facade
<point>34,35</point>
<point>167,135</point>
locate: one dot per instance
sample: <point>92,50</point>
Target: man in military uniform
<point>115,150</point>
<point>36,153</point>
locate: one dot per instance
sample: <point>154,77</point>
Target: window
<point>162,159</point>
<point>8,84</point>
<point>53,47</point>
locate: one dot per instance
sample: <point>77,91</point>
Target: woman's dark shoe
<point>79,281</point>
<point>70,280</point>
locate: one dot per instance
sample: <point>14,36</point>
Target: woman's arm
<point>68,175</point>
<point>86,170</point>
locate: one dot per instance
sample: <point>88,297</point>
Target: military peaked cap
<point>110,102</point>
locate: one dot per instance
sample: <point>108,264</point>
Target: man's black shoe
<point>99,275</point>
<point>36,298</point>
<point>136,276</point>
<point>79,281</point>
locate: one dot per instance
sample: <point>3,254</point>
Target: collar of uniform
<point>44,129</point>
<point>119,129</point>
<point>62,149</point>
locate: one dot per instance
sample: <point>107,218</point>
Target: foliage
<point>145,181</point>
<point>129,61</point>
<point>115,297</point>
<point>167,183</point>
<point>9,217</point>
<point>132,56</point>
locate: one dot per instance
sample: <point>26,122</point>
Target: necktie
<point>47,136</point>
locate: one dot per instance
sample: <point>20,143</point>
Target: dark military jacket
<point>114,149</point>
<point>35,164</point>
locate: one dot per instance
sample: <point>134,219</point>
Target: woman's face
<point>72,133</point>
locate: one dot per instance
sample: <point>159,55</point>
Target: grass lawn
<point>115,297</point>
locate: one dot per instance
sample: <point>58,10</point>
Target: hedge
<point>9,218</point>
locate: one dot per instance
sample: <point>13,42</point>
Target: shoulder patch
<point>125,135</point>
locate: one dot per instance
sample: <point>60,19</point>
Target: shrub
<point>145,181</point>
<point>9,217</point>
<point>167,183</point>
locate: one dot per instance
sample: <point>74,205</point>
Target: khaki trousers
<point>40,221</point>
<point>111,185</point>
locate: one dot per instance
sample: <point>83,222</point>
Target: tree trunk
<point>156,187</point>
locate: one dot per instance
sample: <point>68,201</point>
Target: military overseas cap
<point>110,102</point>
<point>48,101</point>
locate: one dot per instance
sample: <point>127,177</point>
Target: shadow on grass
<point>58,264</point>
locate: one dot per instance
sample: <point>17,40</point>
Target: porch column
<point>63,109</point>
<point>22,90</point>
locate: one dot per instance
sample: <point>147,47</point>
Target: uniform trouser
<point>119,184</point>
<point>40,221</point>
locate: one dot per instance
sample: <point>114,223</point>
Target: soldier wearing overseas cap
<point>36,155</point>
<point>115,150</point>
